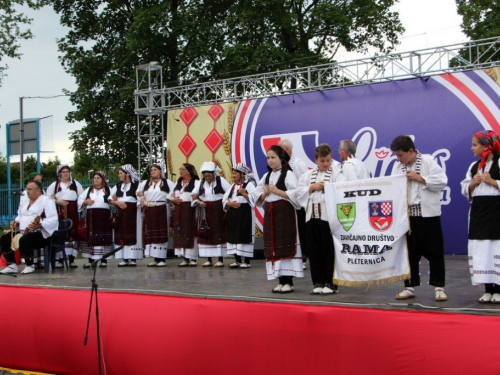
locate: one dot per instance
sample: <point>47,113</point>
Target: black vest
<point>494,170</point>
<point>217,190</point>
<point>280,184</point>
<point>130,192</point>
<point>189,188</point>
<point>243,187</point>
<point>72,186</point>
<point>164,187</point>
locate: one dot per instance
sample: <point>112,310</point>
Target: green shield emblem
<point>346,213</point>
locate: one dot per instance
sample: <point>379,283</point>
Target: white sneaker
<point>485,298</point>
<point>405,294</point>
<point>183,264</point>
<point>28,269</point>
<point>327,290</point>
<point>440,295</point>
<point>234,265</point>
<point>495,298</point>
<point>161,264</point>
<point>153,264</point>
<point>123,264</point>
<point>133,263</point>
<point>207,264</point>
<point>219,264</point>
<point>192,263</point>
<point>287,288</point>
<point>11,268</point>
<point>316,290</point>
<point>278,288</point>
<point>244,265</point>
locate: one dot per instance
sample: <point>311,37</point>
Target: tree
<point>196,41</point>
<point>49,169</point>
<point>480,20</point>
<point>11,34</point>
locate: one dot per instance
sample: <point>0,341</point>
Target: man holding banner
<point>426,180</point>
<point>369,221</point>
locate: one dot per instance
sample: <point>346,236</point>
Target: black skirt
<point>484,215</point>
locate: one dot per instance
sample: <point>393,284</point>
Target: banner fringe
<point>369,283</point>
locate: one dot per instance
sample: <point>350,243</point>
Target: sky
<point>428,23</point>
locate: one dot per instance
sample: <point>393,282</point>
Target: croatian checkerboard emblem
<point>380,215</point>
<point>346,213</point>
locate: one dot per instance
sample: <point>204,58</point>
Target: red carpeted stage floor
<point>43,329</point>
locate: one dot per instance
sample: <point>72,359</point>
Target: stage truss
<point>152,99</point>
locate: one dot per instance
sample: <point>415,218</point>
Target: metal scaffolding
<point>149,108</point>
<point>153,100</point>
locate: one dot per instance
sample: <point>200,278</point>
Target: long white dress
<point>155,194</point>
<point>484,255</point>
<point>284,267</point>
<point>130,251</point>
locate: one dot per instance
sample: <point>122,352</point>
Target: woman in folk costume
<point>128,232</point>
<point>184,216</point>
<point>482,188</point>
<point>281,242</point>
<point>95,200</point>
<point>239,204</point>
<point>65,192</point>
<point>311,195</point>
<point>207,195</point>
<point>155,214</point>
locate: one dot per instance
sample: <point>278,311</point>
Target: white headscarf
<point>128,169</point>
<point>247,172</point>
<point>210,166</point>
<point>60,167</point>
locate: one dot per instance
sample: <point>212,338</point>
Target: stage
<point>219,320</point>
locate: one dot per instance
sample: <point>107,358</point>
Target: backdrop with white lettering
<point>369,220</point>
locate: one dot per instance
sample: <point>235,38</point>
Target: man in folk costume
<point>95,200</point>
<point>128,232</point>
<point>65,192</point>
<point>38,253</point>
<point>207,195</point>
<point>239,204</point>
<point>426,180</point>
<point>156,212</point>
<point>310,194</point>
<point>37,219</point>
<point>352,168</point>
<point>185,244</point>
<point>298,168</point>
<point>281,242</point>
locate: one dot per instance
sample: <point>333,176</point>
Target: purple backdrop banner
<point>441,114</point>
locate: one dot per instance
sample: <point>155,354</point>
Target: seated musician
<point>37,220</point>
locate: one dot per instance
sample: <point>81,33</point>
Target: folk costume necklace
<point>154,183</point>
<point>124,186</point>
<point>183,185</point>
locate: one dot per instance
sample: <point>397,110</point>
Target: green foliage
<point>11,33</point>
<point>196,41</point>
<point>49,169</point>
<point>481,19</point>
